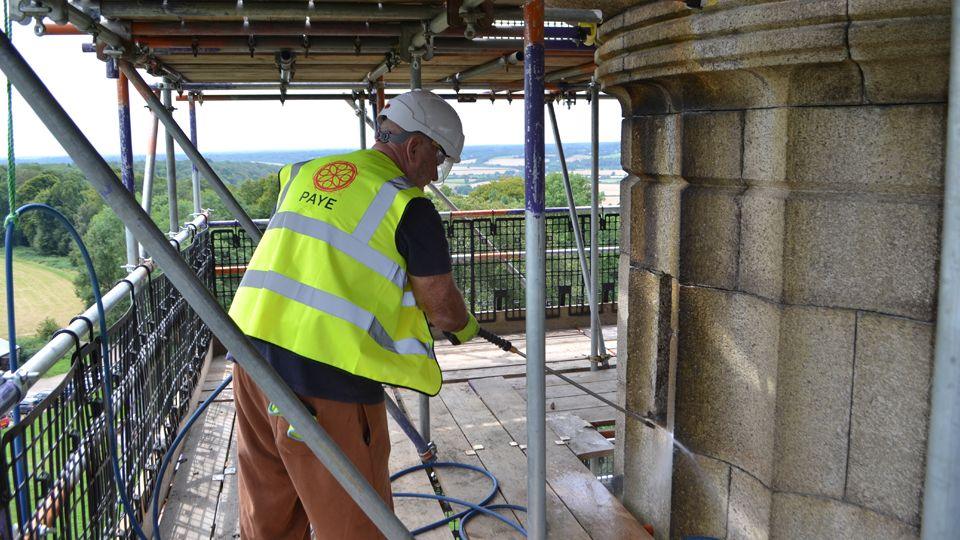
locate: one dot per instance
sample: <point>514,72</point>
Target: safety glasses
<point>441,155</point>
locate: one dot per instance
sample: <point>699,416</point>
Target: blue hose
<point>486,510</point>
<point>472,508</point>
<point>155,500</point>
<point>104,349</point>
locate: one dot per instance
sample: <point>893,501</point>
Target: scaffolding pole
<point>171,165</point>
<point>941,496</point>
<point>126,161</point>
<point>173,130</point>
<point>194,172</point>
<point>146,200</point>
<point>361,111</point>
<point>577,234</point>
<point>99,173</point>
<point>533,70</point>
<point>596,345</point>
<point>416,81</point>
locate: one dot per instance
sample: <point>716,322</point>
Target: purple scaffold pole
<point>126,160</point>
<point>533,83</point>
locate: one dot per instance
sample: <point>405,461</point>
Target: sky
<point>78,81</point>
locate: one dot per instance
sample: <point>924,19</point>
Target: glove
<point>466,333</point>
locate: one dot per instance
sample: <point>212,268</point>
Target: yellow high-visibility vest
<point>327,281</point>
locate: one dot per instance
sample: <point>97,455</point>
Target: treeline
<point>64,187</point>
<point>509,192</point>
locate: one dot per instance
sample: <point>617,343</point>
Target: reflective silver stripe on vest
<point>378,208</point>
<point>334,306</point>
<point>294,169</point>
<point>341,241</point>
<point>408,299</point>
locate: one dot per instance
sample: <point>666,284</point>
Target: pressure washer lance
<point>427,450</point>
<point>507,346</point>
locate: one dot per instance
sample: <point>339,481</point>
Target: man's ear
<point>414,147</point>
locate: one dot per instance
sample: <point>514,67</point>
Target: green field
<point>43,287</point>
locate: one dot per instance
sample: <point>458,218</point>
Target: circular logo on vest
<point>335,176</point>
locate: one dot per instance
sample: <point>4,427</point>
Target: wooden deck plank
<point>560,344</point>
<point>567,390</point>
<point>459,483</point>
<point>594,415</point>
<point>584,440</point>
<point>597,510</point>
<point>226,522</point>
<point>583,377</point>
<point>191,506</point>
<point>508,463</point>
<point>583,401</point>
<point>512,370</point>
<point>413,513</point>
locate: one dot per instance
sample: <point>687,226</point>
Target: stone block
<point>874,9</point>
<point>637,337</point>
<point>651,223</point>
<point>765,145</point>
<point>726,377</point>
<point>650,145</point>
<point>903,60</point>
<point>802,517</point>
<point>700,496</point>
<point>888,430</point>
<point>897,150</point>
<point>748,515</point>
<point>814,379</point>
<point>645,375</point>
<point>761,242</point>
<point>648,475</point>
<point>712,146</point>
<point>863,254</point>
<point>732,55</point>
<point>709,236</point>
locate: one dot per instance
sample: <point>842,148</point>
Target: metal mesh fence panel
<point>488,262</point>
<point>67,487</point>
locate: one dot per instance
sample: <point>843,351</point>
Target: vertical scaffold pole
<point>195,173</point>
<point>577,233</point>
<point>362,115</point>
<point>941,497</point>
<point>381,98</point>
<point>416,82</point>
<point>171,164</point>
<point>146,200</point>
<point>105,181</point>
<point>533,71</point>
<point>126,160</point>
<point>170,124</point>
<point>595,343</point>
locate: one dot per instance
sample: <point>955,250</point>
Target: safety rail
<point>487,251</point>
<point>157,349</point>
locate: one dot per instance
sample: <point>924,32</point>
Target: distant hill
<point>235,166</point>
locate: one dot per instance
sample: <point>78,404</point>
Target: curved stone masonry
<point>779,252</point>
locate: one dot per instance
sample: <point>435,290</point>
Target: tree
<point>259,197</point>
<point>556,194</point>
<point>104,240</point>
<point>507,192</point>
<point>44,232</point>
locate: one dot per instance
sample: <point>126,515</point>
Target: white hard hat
<point>428,113</point>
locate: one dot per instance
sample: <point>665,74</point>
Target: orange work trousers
<point>283,487</point>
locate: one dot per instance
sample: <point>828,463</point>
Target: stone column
<point>779,261</point>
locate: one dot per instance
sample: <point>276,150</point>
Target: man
<point>336,298</point>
